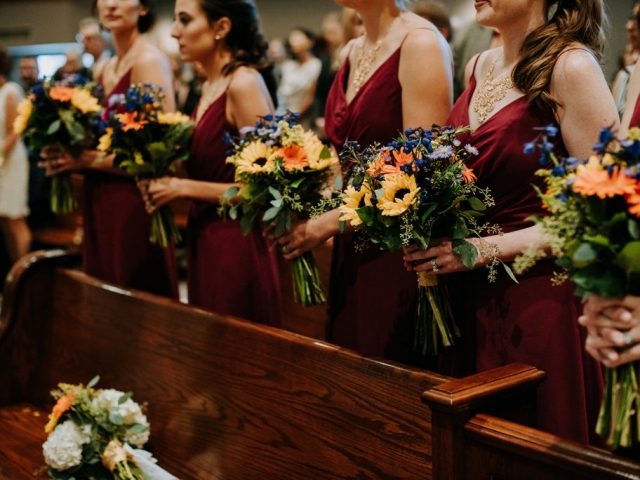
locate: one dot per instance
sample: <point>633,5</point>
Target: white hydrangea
<point>137,439</point>
<point>63,448</point>
<point>106,399</point>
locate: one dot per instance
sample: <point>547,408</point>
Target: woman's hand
<point>160,191</point>
<point>56,160</point>
<point>438,258</point>
<point>307,234</point>
<point>613,327</point>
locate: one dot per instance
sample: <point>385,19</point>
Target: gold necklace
<point>491,92</point>
<point>366,59</point>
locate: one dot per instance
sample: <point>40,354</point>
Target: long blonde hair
<point>570,21</point>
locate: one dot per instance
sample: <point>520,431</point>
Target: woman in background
<point>549,47</point>
<point>14,167</point>
<point>116,226</point>
<point>395,76</point>
<point>228,273</point>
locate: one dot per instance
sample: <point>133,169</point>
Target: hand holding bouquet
<point>90,432</point>
<point>146,142</point>
<point>60,115</point>
<point>593,229</point>
<point>412,190</point>
<point>283,171</point>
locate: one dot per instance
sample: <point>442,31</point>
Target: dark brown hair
<point>145,22</point>
<point>245,39</point>
<point>6,63</point>
<point>573,21</point>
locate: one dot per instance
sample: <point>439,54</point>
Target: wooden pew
<point>227,399</point>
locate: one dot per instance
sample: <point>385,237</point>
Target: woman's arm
<point>10,115</point>
<point>633,90</point>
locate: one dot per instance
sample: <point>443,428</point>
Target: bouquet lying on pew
<point>283,171</point>
<point>60,115</point>
<point>147,142</point>
<point>412,190</point>
<point>593,229</point>
<point>92,434</point>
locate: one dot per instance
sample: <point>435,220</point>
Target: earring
<point>217,37</point>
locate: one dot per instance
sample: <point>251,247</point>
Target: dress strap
<point>475,65</point>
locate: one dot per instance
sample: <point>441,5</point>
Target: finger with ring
<point>435,265</point>
<point>286,248</point>
<point>628,339</point>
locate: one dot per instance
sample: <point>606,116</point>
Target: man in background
<point>94,41</point>
<point>29,72</point>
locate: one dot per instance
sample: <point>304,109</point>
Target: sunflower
<point>600,183</point>
<point>315,149</point>
<point>25,108</point>
<point>593,164</point>
<point>354,199</point>
<point>85,102</point>
<point>129,122</point>
<point>104,144</point>
<point>399,194</point>
<point>254,158</point>
<point>294,157</point>
<point>172,118</point>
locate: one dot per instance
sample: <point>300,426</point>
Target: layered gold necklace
<point>491,92</point>
<point>366,59</point>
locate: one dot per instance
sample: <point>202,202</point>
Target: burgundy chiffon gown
<point>635,118</point>
<point>116,245</point>
<point>371,295</point>
<point>228,273</point>
<point>532,322</point>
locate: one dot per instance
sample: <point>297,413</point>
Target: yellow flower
<point>399,194</point>
<point>254,158</point>
<point>25,108</point>
<point>104,144</point>
<point>593,164</point>
<point>138,158</point>
<point>352,200</point>
<point>172,118</point>
<point>634,133</point>
<point>85,102</point>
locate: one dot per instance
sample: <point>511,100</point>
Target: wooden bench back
<point>226,398</point>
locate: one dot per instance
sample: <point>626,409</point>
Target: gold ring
<point>435,265</point>
<point>286,248</point>
<point>628,340</point>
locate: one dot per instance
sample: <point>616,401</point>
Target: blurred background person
<point>94,41</point>
<point>187,83</point>
<point>329,45</point>
<point>437,14</point>
<point>14,167</point>
<point>628,60</point>
<point>299,76</point>
<point>277,54</point>
<point>351,24</point>
<point>29,73</point>
<point>471,39</point>
<point>72,66</point>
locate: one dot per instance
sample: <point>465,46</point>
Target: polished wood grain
<point>499,449</point>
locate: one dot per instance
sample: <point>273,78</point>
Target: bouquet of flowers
<point>91,433</point>
<point>593,228</point>
<point>60,114</point>
<point>283,171</point>
<point>409,191</point>
<point>146,142</point>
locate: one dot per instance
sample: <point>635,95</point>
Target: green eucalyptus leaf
<point>629,257</point>
<point>634,228</point>
<point>460,229</point>
<point>584,255</point>
<point>466,250</point>
<point>476,204</point>
<point>270,214</point>
<point>275,193</point>
<point>54,127</point>
<point>93,382</point>
<point>367,215</point>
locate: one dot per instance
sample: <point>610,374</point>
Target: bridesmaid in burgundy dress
<point>531,82</point>
<point>116,226</point>
<point>228,272</point>
<point>397,75</point>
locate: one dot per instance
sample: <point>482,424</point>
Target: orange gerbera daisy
<point>402,158</point>
<point>600,183</point>
<point>379,164</point>
<point>129,122</point>
<point>63,404</point>
<point>634,203</point>
<point>294,157</point>
<point>62,94</point>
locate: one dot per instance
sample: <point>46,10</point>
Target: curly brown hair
<point>573,21</point>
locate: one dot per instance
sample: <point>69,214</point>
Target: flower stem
<point>307,287</point>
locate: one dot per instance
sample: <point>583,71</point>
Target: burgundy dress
<point>116,245</point>
<point>635,118</point>
<point>532,322</point>
<point>228,273</point>
<point>371,295</point>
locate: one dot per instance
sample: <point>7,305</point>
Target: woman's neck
<point>124,41</point>
<point>377,19</point>
<point>514,35</point>
<point>215,63</point>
